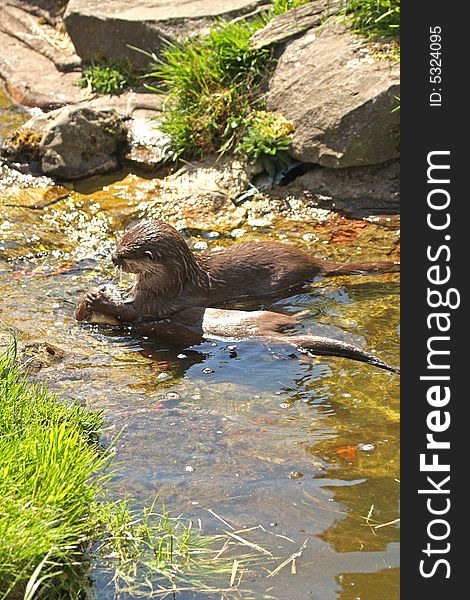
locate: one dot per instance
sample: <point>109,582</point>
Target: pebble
<point>208,370</point>
<point>189,469</point>
<point>163,376</point>
<point>237,233</point>
<point>295,475</point>
<point>181,356</point>
<point>365,447</point>
<point>172,396</point>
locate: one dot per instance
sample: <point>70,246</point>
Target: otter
<point>170,277</point>
<point>191,326</point>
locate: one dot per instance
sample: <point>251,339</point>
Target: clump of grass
<point>107,77</point>
<point>56,522</point>
<point>211,81</point>
<point>375,19</point>
<point>51,470</point>
<point>215,85</point>
<point>148,552</point>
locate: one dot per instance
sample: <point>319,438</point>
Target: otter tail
<point>358,267</point>
<point>312,344</point>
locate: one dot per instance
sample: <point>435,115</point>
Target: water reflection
<point>244,419</point>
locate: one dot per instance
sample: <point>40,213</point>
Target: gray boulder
<point>340,99</point>
<point>108,28</point>
<point>71,142</point>
<point>357,191</point>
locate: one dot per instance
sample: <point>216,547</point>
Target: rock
<point>34,356</point>
<point>39,36</point>
<point>37,59</point>
<point>201,196</point>
<point>339,98</point>
<point>149,147</point>
<point>109,28</point>
<point>33,80</point>
<point>72,142</point>
<point>357,191</point>
<point>294,22</point>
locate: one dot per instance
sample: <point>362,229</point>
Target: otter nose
<point>115,260</point>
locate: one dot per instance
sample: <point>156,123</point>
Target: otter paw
<point>97,298</point>
<point>82,312</point>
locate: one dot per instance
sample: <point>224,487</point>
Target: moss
<point>22,144</point>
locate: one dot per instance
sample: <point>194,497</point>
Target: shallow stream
<point>306,449</point>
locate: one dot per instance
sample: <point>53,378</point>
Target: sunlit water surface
<point>308,449</point>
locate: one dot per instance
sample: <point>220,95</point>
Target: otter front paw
<point>96,300</point>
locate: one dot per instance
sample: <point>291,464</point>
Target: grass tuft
<point>377,20</point>
<point>57,525</point>
<point>215,87</point>
<point>106,77</point>
<point>50,471</point>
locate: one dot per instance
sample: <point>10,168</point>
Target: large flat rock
<point>33,80</point>
<point>340,99</point>
<point>109,27</point>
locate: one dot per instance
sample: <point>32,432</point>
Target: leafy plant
<point>375,18</point>
<point>105,77</point>
<point>215,86</point>
<point>267,138</point>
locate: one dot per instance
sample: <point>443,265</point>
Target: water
<point>306,449</point>
<point>246,426</point>
<point>11,116</point>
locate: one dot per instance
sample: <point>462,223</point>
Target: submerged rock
<point>340,98</point>
<point>70,143</point>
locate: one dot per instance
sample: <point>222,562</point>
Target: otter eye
<point>149,254</point>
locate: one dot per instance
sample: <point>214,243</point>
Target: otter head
<point>156,251</point>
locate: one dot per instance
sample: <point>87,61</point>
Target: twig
<point>291,558</point>
<point>249,544</point>
<point>385,524</point>
<point>220,518</point>
<point>234,572</point>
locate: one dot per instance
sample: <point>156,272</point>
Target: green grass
<point>375,19</point>
<point>56,520</point>
<point>216,83</point>
<point>215,87</point>
<point>50,472</point>
<point>107,77</point>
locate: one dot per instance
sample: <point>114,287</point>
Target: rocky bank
<point>339,96</point>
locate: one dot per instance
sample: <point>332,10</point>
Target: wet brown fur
<point>169,277</point>
<point>174,287</point>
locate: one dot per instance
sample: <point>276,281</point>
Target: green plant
<point>105,77</point>
<point>56,520</point>
<point>50,472</point>
<point>215,85</point>
<point>210,81</point>
<point>266,138</point>
<point>281,6</point>
<point>375,18</point>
